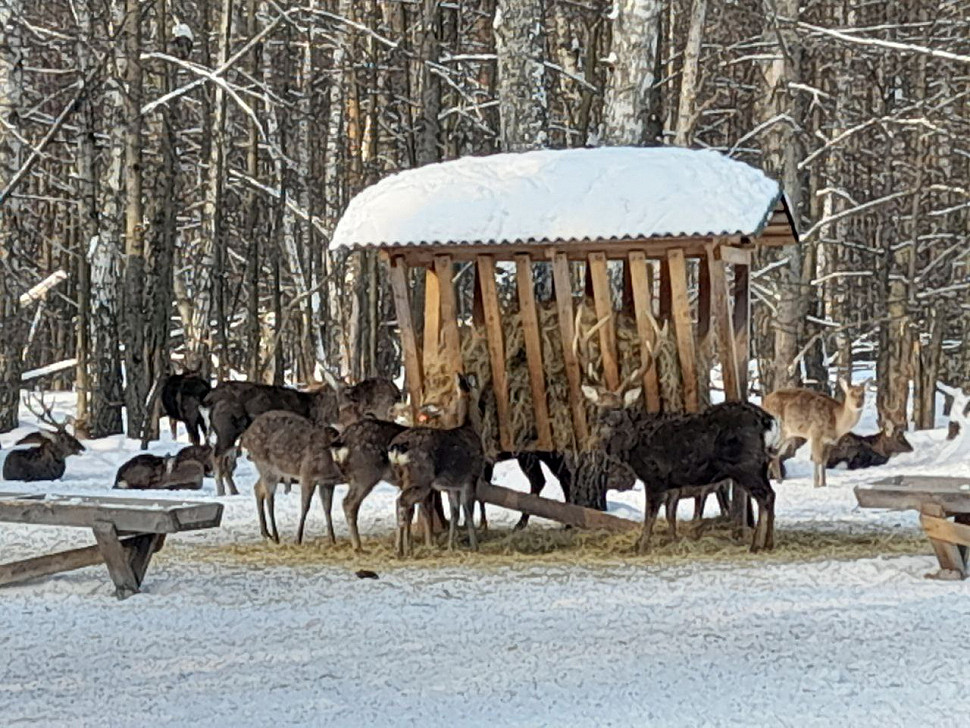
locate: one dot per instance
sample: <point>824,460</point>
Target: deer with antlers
<point>45,461</point>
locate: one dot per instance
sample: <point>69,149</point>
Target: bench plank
<point>127,514</point>
<point>913,492</point>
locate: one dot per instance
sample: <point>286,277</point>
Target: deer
<point>45,461</point>
<point>182,471</point>
<point>816,417</point>
<point>447,460</point>
<point>182,396</point>
<point>374,397</point>
<point>285,445</point>
<point>866,451</point>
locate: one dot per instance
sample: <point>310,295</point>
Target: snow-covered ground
<point>866,642</point>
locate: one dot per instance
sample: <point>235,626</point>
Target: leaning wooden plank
<point>565,513</point>
<point>943,530</point>
<point>722,318</point>
<point>683,328</point>
<point>409,343</point>
<point>50,564</point>
<point>603,303</point>
<point>742,319</point>
<point>146,517</point>
<point>643,308</point>
<point>140,553</point>
<point>564,307</point>
<point>496,346</point>
<point>449,313</point>
<point>117,559</point>
<point>432,319</point>
<point>951,556</point>
<point>533,349</point>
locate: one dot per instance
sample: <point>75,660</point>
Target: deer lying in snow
<point>817,418</point>
<point>284,445</point>
<point>448,460</point>
<point>182,471</point>
<point>46,461</point>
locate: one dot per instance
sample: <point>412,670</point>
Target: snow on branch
<point>58,366</point>
<point>41,290</point>
<point>889,44</point>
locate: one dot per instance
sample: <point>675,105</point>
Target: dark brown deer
<point>447,460</point>
<point>374,397</point>
<point>866,451</point>
<point>182,471</point>
<point>182,396</point>
<point>284,445</point>
<point>46,461</point>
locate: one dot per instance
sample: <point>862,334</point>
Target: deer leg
<point>228,468</point>
<point>306,497</point>
<point>352,502</point>
<point>173,425</point>
<point>468,503</point>
<point>260,499</point>
<point>405,512</point>
<point>271,506</point>
<point>653,503</point>
<point>326,500</point>
<point>673,498</point>
<point>430,507</point>
<point>532,467</point>
<point>453,524</point>
<point>699,501</point>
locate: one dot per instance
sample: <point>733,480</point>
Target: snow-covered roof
<point>563,195</point>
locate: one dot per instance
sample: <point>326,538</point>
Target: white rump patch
<point>340,454</point>
<point>398,458</point>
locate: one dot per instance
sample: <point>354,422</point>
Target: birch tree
<point>521,78</point>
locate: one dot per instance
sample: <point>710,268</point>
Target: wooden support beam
<point>725,332</point>
<point>603,302</point>
<point>496,346</point>
<point>564,307</point>
<point>533,349</point>
<point>449,314</point>
<point>683,328</point>
<point>735,256</point>
<point>397,273</point>
<point>949,541</point>
<point>565,513</point>
<point>742,324</point>
<point>432,319</point>
<point>50,564</point>
<point>643,309</point>
<point>665,304</point>
<point>117,559</point>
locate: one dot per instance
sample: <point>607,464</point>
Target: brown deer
<point>284,445</point>
<point>448,460</point>
<point>866,451</point>
<point>816,417</point>
<point>182,471</point>
<point>46,461</point>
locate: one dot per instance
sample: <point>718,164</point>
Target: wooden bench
<point>937,499</point>
<point>128,532</point>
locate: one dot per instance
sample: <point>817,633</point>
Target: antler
<point>44,414</point>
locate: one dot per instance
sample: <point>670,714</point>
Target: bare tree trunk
<point>11,158</point>
<point>137,365</point>
<point>520,52</point>
<point>689,86</point>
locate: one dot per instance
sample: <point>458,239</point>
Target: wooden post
<point>432,319</point>
<point>683,328</point>
<point>742,325</point>
<point>496,346</point>
<point>409,344</point>
<point>663,312</point>
<point>704,331</point>
<point>564,307</point>
<point>725,333</point>
<point>449,313</point>
<point>604,313</point>
<point>533,349</point>
<point>643,309</point>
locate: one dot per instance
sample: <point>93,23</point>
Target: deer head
<point>60,440</point>
<point>855,394</point>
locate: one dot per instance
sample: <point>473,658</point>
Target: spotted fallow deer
<point>816,417</point>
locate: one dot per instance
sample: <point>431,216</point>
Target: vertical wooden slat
<point>663,312</point>
<point>449,313</point>
<point>409,343</point>
<point>496,346</point>
<point>742,325</point>
<point>643,307</point>
<point>683,328</point>
<point>604,312</point>
<point>432,319</point>
<point>703,300</point>
<point>722,317</point>
<point>533,349</point>
<point>564,307</point>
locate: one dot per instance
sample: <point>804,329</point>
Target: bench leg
<point>126,562</point>
<point>948,541</point>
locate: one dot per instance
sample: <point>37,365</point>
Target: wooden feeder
<point>660,211</point>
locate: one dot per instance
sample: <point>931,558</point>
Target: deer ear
<point>844,385</point>
<point>34,438</point>
<point>631,396</point>
<point>591,394</point>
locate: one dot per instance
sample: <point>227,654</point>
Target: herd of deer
<point>362,434</point>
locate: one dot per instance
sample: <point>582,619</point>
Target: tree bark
<point>520,53</point>
<point>689,86</point>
